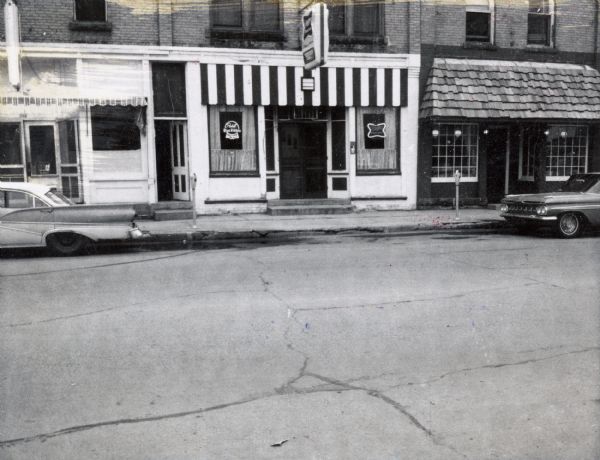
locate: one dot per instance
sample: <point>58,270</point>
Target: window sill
<point>541,49</point>
<point>480,46</point>
<point>357,40</point>
<point>237,34</point>
<point>378,173</point>
<point>91,26</point>
<point>448,180</point>
<point>229,175</point>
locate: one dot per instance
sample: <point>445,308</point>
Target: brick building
<point>509,96</point>
<point>127,100</point>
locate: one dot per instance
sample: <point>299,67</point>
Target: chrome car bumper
<point>530,217</point>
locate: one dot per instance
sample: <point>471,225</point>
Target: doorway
<point>303,160</point>
<point>172,174</point>
<point>497,152</point>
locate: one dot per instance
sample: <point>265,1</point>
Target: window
<point>479,21</point>
<point>19,200</point>
<point>378,141</point>
<point>540,22</point>
<point>362,18</point>
<point>116,127</point>
<point>90,10</point>
<point>338,139</point>
<point>233,149</point>
<point>42,149</point>
<point>10,145</point>
<point>168,83</point>
<point>566,151</point>
<point>455,146</point>
<point>248,15</point>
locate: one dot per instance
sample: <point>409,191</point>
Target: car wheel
<point>66,244</point>
<point>569,225</point>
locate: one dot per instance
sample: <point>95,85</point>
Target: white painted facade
<point>122,72</point>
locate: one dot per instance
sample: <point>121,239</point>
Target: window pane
<point>18,200</point>
<point>10,144</point>
<point>232,140</point>
<point>337,19</point>
<point>270,144</point>
<point>264,15</point>
<point>366,19</point>
<point>67,141</point>
<point>338,145</point>
<point>90,10</point>
<point>115,128</point>
<point>538,29</point>
<point>377,146</point>
<point>539,6</point>
<point>454,147</point>
<point>43,154</point>
<point>168,82</point>
<point>478,26</point>
<point>227,13</point>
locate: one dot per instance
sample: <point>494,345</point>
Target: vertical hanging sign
<point>315,35</point>
<point>11,25</point>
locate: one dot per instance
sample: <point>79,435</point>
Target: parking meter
<point>457,176</point>
<point>194,181</point>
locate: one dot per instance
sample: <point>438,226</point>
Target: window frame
<point>360,112</point>
<point>246,27</point>
<point>551,178</point>
<point>551,27</point>
<point>85,21</point>
<point>491,12</point>
<point>349,22</point>
<point>115,118</point>
<point>229,108</point>
<point>438,179</point>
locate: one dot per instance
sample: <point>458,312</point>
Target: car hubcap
<point>569,224</point>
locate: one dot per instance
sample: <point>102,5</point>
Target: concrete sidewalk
<point>264,225</point>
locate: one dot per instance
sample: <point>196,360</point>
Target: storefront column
<point>151,145</point>
<point>262,153</point>
<point>351,136</point>
<point>197,133</point>
<point>409,120</point>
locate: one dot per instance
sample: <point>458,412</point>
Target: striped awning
<point>229,84</point>
<point>71,101</point>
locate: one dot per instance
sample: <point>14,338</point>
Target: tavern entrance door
<point>303,159</point>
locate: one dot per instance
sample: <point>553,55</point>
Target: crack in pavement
<point>496,366</point>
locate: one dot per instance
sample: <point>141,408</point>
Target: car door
<point>24,219</point>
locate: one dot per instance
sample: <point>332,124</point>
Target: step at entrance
<point>308,207</point>
<point>172,210</point>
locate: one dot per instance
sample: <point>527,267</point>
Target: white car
<point>33,215</point>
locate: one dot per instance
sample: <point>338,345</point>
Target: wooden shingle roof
<point>509,89</point>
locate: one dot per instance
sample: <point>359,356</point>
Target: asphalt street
<point>425,346</point>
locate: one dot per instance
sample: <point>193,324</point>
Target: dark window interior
<point>10,144</point>
<point>115,127</point>
<point>478,26</point>
<point>90,10</point>
<point>361,18</point>
<point>251,15</point>
<point>338,139</point>
<point>43,153</point>
<point>68,142</point>
<point>538,29</point>
<point>366,19</point>
<point>168,83</point>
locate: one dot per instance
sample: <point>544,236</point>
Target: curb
<point>215,235</point>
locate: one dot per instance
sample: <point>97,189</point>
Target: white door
<point>179,160</point>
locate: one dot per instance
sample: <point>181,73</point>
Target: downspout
<point>596,30</point>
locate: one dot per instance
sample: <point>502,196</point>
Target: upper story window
<point>480,21</point>
<point>358,18</point>
<point>90,10</point>
<point>540,21</point>
<point>246,15</point>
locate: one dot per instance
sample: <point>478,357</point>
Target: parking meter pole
<point>457,181</point>
<point>194,180</point>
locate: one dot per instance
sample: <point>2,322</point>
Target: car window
<point>58,198</point>
<point>2,193</point>
<point>578,184</point>
<point>18,200</point>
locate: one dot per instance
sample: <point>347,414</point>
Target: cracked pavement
<point>414,346</point>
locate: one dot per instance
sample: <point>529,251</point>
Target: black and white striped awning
<point>229,84</point>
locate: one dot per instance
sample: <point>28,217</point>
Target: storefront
<point>507,127</point>
<point>109,124</point>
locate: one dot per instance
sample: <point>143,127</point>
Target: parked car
<point>569,210</point>
<point>34,215</point>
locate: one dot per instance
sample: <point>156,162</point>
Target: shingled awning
<point>511,90</point>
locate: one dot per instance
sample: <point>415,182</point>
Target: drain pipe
<point>457,182</point>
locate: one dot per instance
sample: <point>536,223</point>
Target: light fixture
<point>435,132</point>
<point>563,134</point>
<point>486,131</point>
<point>546,132</point>
<point>457,133</point>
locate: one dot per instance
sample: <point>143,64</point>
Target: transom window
<point>249,15</point>
<point>479,21</point>
<point>455,147</point>
<point>361,18</point>
<point>90,10</point>
<point>540,21</point>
